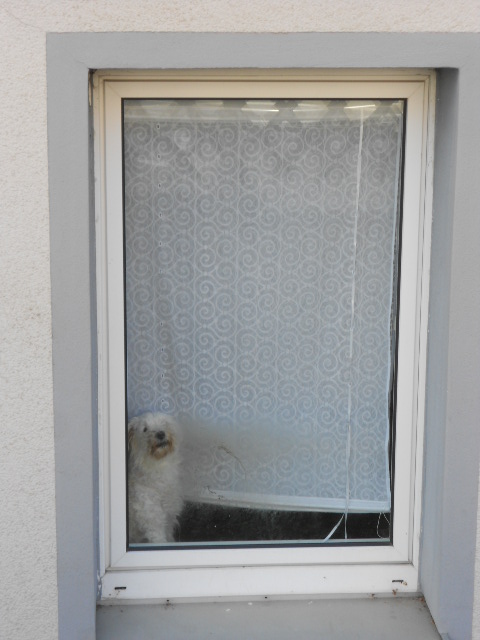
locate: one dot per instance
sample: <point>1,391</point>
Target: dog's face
<point>152,434</point>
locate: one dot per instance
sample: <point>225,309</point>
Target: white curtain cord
<point>344,515</point>
<point>352,322</point>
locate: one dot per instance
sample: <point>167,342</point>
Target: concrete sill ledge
<point>345,619</point>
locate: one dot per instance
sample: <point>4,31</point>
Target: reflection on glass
<point>261,268</point>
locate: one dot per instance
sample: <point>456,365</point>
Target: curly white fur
<point>154,478</point>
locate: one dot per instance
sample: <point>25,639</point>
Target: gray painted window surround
<point>453,371</point>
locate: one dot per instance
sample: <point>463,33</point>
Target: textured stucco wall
<point>27,520</point>
<point>28,597</point>
<point>243,15</point>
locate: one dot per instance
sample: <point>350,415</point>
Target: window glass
<point>261,273</point>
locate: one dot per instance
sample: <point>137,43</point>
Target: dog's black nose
<point>160,435</point>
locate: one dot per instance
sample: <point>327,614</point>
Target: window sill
<point>373,618</point>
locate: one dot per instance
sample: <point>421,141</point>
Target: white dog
<point>154,478</point>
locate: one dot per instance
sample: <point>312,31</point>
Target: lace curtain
<point>261,242</point>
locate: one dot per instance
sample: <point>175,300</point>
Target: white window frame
<point>266,571</point>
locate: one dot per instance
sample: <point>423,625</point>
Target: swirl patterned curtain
<point>261,242</point>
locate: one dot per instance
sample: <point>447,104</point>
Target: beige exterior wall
<point>28,588</point>
<point>241,15</point>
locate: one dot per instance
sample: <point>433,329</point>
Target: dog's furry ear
<point>131,433</point>
<point>132,425</point>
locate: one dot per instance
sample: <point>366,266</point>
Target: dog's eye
<point>144,429</point>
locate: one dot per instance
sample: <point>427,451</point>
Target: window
<point>262,252</point>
